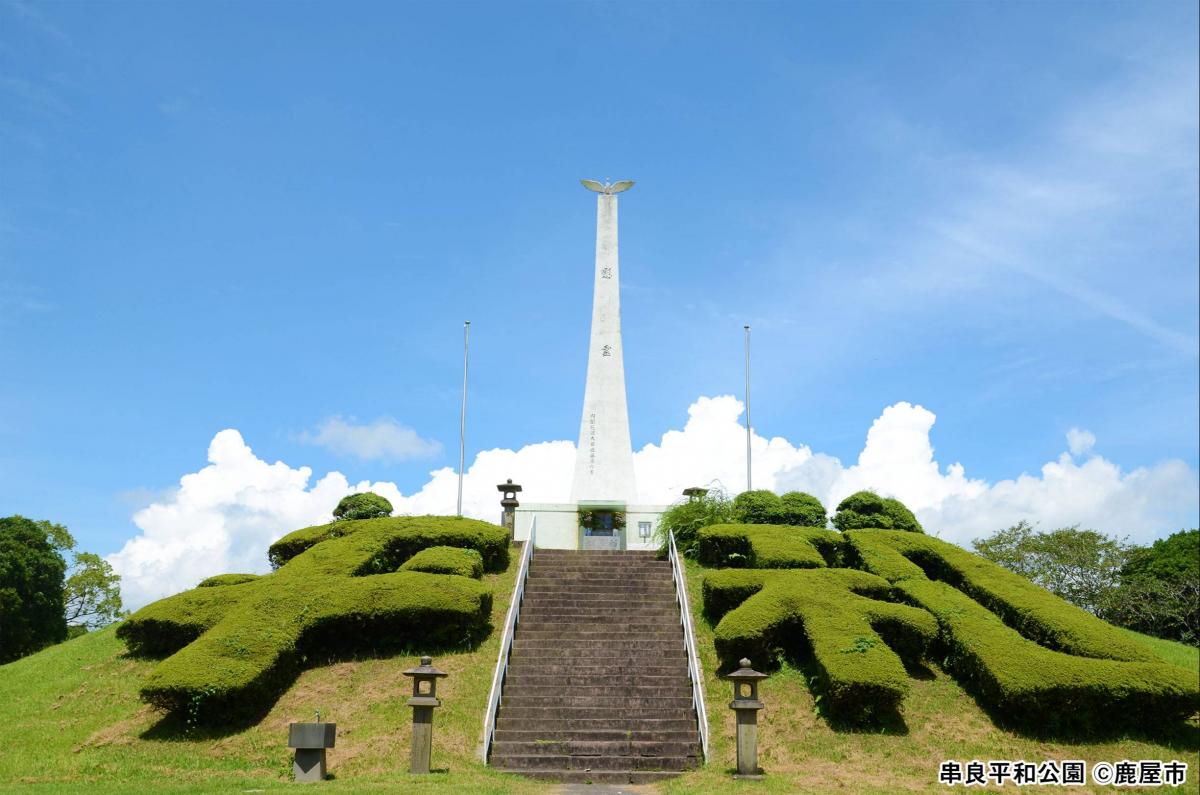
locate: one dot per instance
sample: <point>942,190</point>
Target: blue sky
<point>267,216</point>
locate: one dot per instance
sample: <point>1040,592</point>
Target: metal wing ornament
<point>607,188</point>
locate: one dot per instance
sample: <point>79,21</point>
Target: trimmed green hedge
<point>1096,680</point>
<point>827,615</point>
<point>446,560</point>
<point>237,647</point>
<point>1029,609</point>
<point>1030,686</point>
<point>227,579</point>
<point>420,532</point>
<point>867,510</point>
<point>764,546</point>
<point>367,505</point>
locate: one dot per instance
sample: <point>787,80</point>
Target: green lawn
<point>71,721</point>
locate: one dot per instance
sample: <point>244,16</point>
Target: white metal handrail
<point>689,640</point>
<point>506,641</point>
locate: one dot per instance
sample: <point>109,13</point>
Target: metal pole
<point>462,418</point>
<point>748,481</point>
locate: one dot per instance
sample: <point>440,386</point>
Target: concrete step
<point>519,699</point>
<point>615,671</point>
<point>578,747</point>
<point>592,554</point>
<point>588,632</point>
<point>521,762</point>
<point>597,735</point>
<point>576,680</point>
<point>606,604</point>
<point>622,724</point>
<point>601,585</point>
<point>540,716</point>
<point>560,649</point>
<point>615,777</point>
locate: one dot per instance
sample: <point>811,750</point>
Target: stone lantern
<point>694,493</point>
<point>509,503</point>
<point>746,705</point>
<point>423,701</point>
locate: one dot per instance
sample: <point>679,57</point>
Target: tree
<point>802,509</point>
<point>686,518</point>
<point>1159,590</point>
<point>92,593</point>
<point>367,505</point>
<point>1081,566</point>
<point>1173,557</point>
<point>867,510</point>
<point>31,586</point>
<point>759,506</point>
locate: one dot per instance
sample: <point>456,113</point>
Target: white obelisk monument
<point>604,512</point>
<point>604,459</point>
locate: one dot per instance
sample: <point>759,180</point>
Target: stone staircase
<point>597,687</point>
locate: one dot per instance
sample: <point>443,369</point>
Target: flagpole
<point>462,417</point>
<point>748,480</point>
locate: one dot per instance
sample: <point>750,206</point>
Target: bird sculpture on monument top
<point>606,187</point>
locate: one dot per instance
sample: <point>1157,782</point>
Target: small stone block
<point>311,735</point>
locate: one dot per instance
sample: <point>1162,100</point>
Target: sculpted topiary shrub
<point>866,509</point>
<point>235,646</point>
<point>227,579</point>
<point>367,505</point>
<point>446,560</point>
<point>833,617</point>
<point>1035,661</point>
<point>801,510</point>
<point>759,506</point>
<point>766,546</point>
<point>420,532</point>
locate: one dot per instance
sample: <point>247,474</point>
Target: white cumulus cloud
<point>1080,442</point>
<point>224,517</point>
<point>381,440</point>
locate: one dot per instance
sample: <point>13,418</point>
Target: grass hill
<point>71,721</point>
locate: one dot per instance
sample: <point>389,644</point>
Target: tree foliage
<point>92,595</point>
<point>804,510</point>
<point>367,505</point>
<point>685,519</point>
<point>1159,592</point>
<point>867,510</point>
<point>31,586</point>
<point>760,506</point>
<point>1081,566</point>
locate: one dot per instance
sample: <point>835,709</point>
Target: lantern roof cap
<point>425,669</point>
<point>745,673</point>
<point>509,486</point>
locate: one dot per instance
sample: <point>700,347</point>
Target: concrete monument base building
<point>603,512</point>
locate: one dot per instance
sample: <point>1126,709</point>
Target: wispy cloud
<point>34,18</point>
<point>1082,210</point>
<point>385,439</point>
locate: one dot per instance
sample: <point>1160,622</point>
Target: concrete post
<point>423,701</point>
<point>746,705</point>
<point>310,741</point>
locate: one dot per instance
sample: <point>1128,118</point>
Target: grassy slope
<point>800,752</point>
<point>71,721</point>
